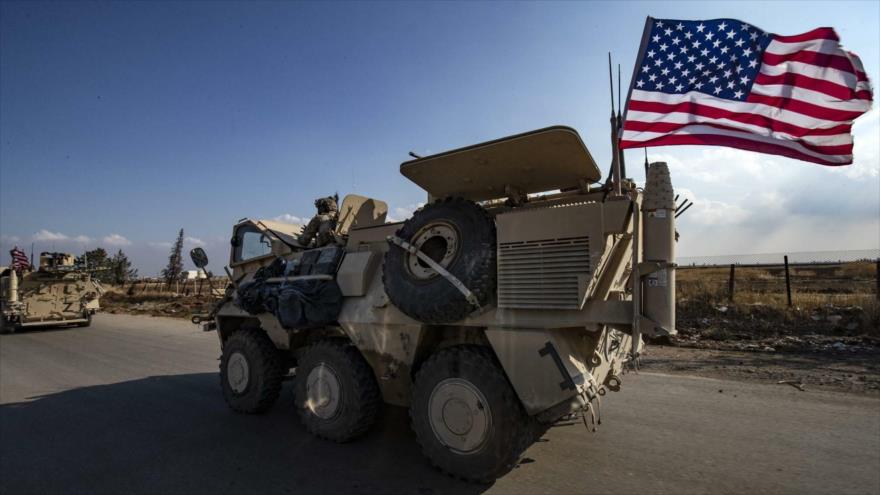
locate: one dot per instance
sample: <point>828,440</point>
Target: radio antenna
<point>620,126</point>
<point>615,149</point>
<point>611,84</point>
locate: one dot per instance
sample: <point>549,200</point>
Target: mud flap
<point>545,371</point>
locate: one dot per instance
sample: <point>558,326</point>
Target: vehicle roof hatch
<point>531,162</point>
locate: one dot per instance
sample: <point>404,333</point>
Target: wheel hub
<point>459,415</point>
<point>440,242</point>
<point>237,372</point>
<point>323,392</point>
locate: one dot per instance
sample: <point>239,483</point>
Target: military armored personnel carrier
<point>515,297</point>
<point>57,293</point>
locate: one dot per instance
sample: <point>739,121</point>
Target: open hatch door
<point>535,161</point>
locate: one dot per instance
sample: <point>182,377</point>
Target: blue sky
<point>122,122</point>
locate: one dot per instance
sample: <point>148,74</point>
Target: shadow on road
<point>174,434</point>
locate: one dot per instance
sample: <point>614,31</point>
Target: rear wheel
<point>466,415</point>
<point>337,396</point>
<point>251,371</point>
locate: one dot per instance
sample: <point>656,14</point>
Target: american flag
<point>725,82</point>
<point>19,259</point>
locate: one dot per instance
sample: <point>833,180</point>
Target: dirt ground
<point>840,371</point>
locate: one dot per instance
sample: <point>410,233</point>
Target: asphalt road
<point>133,405</point>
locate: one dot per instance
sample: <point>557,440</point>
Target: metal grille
<point>543,274</point>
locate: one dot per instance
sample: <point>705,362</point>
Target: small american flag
<point>19,259</point>
<point>724,82</point>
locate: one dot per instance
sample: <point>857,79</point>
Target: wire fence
<point>794,258</point>
<point>811,279</point>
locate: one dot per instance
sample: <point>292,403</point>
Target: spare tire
<point>460,236</point>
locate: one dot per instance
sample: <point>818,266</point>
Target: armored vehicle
<point>57,293</point>
<point>514,298</point>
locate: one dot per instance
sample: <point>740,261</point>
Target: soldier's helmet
<point>326,205</point>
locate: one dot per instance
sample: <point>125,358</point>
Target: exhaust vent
<point>543,274</point>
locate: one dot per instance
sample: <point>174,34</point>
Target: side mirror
<point>199,257</point>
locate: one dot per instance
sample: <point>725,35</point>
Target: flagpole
<point>646,35</point>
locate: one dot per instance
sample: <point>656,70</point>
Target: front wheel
<point>466,415</point>
<point>337,396</point>
<point>88,317</point>
<point>250,371</point>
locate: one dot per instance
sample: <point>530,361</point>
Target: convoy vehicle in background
<point>514,298</point>
<point>57,293</point>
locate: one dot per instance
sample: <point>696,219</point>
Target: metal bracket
<point>468,295</point>
<point>648,267</point>
<point>567,382</point>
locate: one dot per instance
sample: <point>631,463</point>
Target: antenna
<point>611,83</point>
<point>615,175</point>
<point>620,125</point>
<point>619,106</point>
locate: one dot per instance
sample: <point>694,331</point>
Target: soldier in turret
<point>322,226</point>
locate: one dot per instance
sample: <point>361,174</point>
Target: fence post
<point>731,284</point>
<point>877,273</point>
<point>787,281</point>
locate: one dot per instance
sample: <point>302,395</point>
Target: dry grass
<point>818,292</point>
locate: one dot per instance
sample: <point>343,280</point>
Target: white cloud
<point>401,213</point>
<point>82,239</point>
<point>44,235</point>
<point>193,241</point>
<point>162,245</point>
<point>866,148</point>
<point>711,212</point>
<point>288,218</point>
<point>10,239</point>
<point>116,240</point>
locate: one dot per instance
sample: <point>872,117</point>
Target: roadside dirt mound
<point>154,304</point>
<point>759,327</point>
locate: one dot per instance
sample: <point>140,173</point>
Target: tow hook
<point>613,383</point>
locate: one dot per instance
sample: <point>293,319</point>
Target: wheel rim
<point>237,372</point>
<point>459,415</point>
<point>440,242</point>
<point>323,392</point>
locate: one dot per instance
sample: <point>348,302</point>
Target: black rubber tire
<point>86,323</point>
<point>512,430</point>
<point>360,397</point>
<point>265,371</point>
<point>436,300</point>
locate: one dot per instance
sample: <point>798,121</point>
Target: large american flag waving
<point>724,82</point>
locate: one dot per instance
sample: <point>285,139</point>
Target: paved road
<point>132,405</point>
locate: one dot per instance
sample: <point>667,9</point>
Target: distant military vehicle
<point>513,298</point>
<point>58,293</point>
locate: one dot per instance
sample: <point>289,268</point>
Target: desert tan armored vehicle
<point>515,297</point>
<point>55,294</point>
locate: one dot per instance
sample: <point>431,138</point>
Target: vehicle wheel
<point>460,236</point>
<point>337,396</point>
<point>250,371</point>
<point>88,322</point>
<point>466,415</point>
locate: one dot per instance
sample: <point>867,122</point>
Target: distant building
<point>193,274</point>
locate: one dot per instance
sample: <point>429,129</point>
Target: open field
<point>831,304</point>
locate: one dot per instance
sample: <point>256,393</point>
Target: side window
<point>252,244</point>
